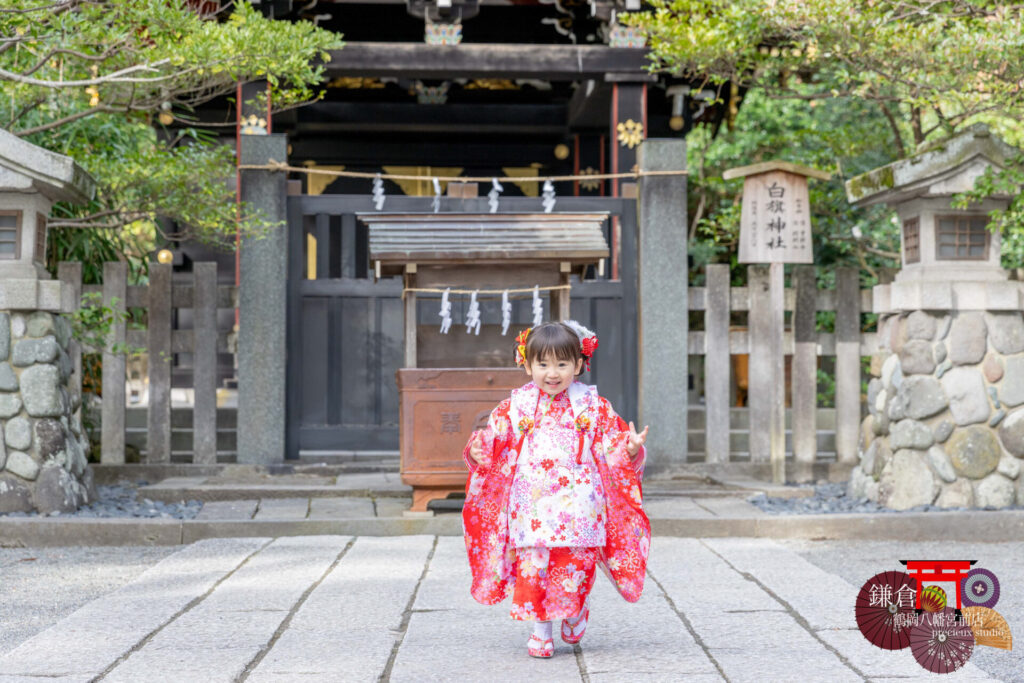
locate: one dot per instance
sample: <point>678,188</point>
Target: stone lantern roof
<point>26,167</point>
<point>941,171</point>
<point>950,257</point>
<point>32,179</point>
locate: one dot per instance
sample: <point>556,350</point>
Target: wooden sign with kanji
<point>775,223</point>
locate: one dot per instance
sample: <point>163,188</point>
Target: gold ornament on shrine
<point>631,133</point>
<point>775,222</point>
<point>590,184</point>
<point>254,125</point>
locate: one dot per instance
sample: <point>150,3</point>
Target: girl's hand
<point>476,449</point>
<point>635,440</point>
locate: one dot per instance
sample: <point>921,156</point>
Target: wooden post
<point>717,366</point>
<point>805,373</point>
<point>410,320</point>
<point>115,276</point>
<point>847,364</point>
<point>158,423</point>
<point>777,292</point>
<point>70,273</point>
<point>759,384</point>
<point>204,366</point>
<point>561,307</point>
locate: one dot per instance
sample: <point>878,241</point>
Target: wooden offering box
<point>451,382</point>
<point>439,410</point>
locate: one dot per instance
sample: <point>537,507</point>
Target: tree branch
<point>67,119</point>
<point>896,135</point>
<point>24,110</point>
<point>116,77</point>
<point>74,53</point>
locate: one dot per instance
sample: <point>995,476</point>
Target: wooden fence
<point>160,297</point>
<point>717,343</point>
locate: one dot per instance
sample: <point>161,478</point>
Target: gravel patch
<point>121,500</point>
<point>41,586</point>
<point>831,498</point>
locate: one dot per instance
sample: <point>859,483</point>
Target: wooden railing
<point>717,343</point>
<point>160,297</point>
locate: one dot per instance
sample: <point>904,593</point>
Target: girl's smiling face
<point>553,375</point>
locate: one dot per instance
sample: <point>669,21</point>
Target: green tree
<point>94,79</point>
<point>918,70</point>
<point>833,134</point>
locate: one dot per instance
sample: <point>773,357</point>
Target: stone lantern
<point>946,398</point>
<point>43,466</point>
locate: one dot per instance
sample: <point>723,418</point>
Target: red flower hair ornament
<point>588,340</point>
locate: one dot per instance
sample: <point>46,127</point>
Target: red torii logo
<point>938,570</point>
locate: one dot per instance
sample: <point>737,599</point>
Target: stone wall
<point>946,404</point>
<point>43,465</point>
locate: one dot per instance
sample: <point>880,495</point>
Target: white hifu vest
<point>541,514</point>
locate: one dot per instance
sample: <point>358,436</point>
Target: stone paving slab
<point>392,507</point>
<point>734,617</point>
<point>333,608</point>
<point>730,507</point>
<point>350,621</point>
<point>84,644</point>
<point>675,508</point>
<point>619,631</point>
<point>219,637</point>
<point>378,481</point>
<point>228,510</point>
<point>341,508</point>
<point>282,508</point>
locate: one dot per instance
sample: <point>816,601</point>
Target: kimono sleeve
<point>495,437</point>
<point>615,435</point>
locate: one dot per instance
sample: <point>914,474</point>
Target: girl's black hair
<point>553,338</point>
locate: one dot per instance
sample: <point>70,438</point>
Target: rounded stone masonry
<point>945,423</point>
<point>44,466</point>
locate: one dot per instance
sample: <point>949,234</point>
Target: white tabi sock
<point>542,629</point>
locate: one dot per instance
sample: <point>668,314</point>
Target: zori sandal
<point>574,627</point>
<point>540,648</point>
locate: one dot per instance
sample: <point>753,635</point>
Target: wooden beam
<point>378,150</point>
<point>488,60</point>
<point>409,117</point>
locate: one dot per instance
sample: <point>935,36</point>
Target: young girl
<point>554,491</point>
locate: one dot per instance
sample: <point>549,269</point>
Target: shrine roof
<point>466,238</point>
<point>940,171</point>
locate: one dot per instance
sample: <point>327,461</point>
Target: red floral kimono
<point>603,435</point>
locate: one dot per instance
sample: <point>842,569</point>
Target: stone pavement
<point>345,608</point>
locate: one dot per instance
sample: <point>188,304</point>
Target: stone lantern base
<point>946,402</point>
<point>43,466</point>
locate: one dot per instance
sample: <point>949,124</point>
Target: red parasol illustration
<point>885,609</point>
<point>941,642</point>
